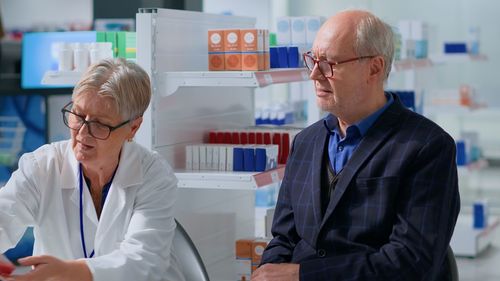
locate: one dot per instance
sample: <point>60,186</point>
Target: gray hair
<point>375,37</point>
<point>126,82</point>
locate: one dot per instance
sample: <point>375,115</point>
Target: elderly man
<point>370,192</point>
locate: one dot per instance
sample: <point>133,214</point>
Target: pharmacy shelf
<point>171,81</point>
<point>438,59</point>
<point>228,180</point>
<point>407,64</point>
<point>457,58</point>
<point>61,78</point>
<point>475,166</point>
<point>469,242</point>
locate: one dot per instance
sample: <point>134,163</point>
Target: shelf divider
<point>171,81</point>
<point>228,180</point>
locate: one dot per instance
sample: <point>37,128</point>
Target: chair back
<point>452,264</point>
<point>188,256</point>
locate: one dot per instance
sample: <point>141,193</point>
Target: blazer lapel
<point>376,136</point>
<point>317,161</point>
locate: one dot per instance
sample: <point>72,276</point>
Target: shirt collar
<point>331,122</point>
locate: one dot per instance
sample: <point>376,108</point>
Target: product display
<point>238,49</point>
<point>248,255</point>
<point>81,56</point>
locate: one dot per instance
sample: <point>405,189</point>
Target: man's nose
<point>316,73</point>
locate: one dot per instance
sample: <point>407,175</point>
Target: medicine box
<point>298,35</point>
<point>196,156</point>
<point>455,48</point>
<point>419,36</point>
<point>407,43</point>
<point>244,259</point>
<point>258,247</point>
<point>216,50</point>
<point>252,49</point>
<point>111,37</point>
<point>126,44</point>
<point>312,26</point>
<point>232,49</point>
<point>267,61</point>
<point>283,31</point>
<point>189,157</point>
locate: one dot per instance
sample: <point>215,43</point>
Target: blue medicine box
<point>455,48</point>
<point>293,56</point>
<point>461,153</point>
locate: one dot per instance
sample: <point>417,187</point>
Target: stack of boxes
<point>468,149</point>
<point>124,43</point>
<point>238,49</point>
<point>294,36</point>
<point>241,150</point>
<point>237,158</point>
<point>248,256</point>
<point>414,39</point>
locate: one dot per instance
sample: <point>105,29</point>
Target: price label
<point>275,177</point>
<point>305,75</point>
<point>268,78</point>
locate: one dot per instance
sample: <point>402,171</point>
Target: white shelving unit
<point>229,180</point>
<point>437,59</point>
<point>414,74</point>
<point>171,81</point>
<point>216,208</point>
<point>457,58</point>
<point>470,242</point>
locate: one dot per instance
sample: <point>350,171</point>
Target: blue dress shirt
<point>341,149</point>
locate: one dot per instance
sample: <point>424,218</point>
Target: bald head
<point>356,32</point>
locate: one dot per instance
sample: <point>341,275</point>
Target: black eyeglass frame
<point>111,128</point>
<point>316,61</point>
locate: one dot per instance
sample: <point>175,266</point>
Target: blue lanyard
<point>82,236</point>
<point>106,189</point>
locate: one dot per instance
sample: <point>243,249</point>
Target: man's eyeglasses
<point>96,129</point>
<point>326,67</point>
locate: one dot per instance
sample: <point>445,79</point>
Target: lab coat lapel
<point>376,136</point>
<point>69,174</point>
<point>129,174</point>
<point>69,182</point>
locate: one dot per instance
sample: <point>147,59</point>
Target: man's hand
<point>277,272</point>
<point>48,268</point>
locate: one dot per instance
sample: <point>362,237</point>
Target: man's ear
<point>377,67</point>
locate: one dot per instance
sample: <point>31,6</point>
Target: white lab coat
<point>132,239</point>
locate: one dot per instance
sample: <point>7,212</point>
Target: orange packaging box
<point>258,247</point>
<point>252,49</point>
<point>244,259</point>
<point>232,49</point>
<point>216,50</point>
<point>267,61</point>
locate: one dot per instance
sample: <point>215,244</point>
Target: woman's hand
<point>48,268</point>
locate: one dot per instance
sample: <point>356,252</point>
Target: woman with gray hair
<point>100,204</point>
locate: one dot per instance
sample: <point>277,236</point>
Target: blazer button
<point>321,253</point>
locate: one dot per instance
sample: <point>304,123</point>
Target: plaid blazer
<point>391,214</point>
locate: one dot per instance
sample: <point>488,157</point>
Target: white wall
<point>45,13</point>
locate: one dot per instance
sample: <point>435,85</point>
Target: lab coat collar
<point>129,171</point>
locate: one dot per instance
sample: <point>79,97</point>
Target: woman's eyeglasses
<point>96,129</point>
